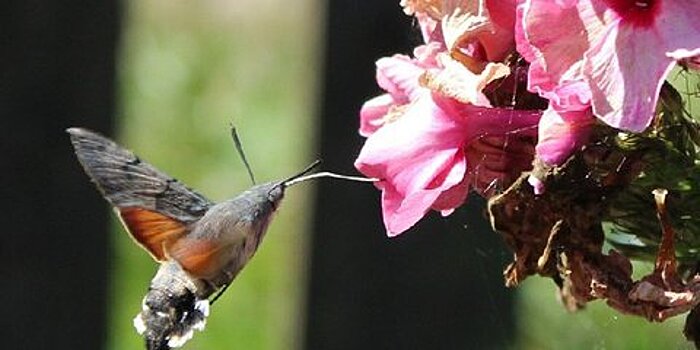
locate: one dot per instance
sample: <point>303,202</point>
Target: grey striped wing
<point>126,181</point>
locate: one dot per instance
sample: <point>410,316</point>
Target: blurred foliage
<point>188,70</point>
<point>543,323</point>
<point>671,161</point>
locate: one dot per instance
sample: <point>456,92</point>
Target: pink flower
<point>478,31</point>
<point>562,132</point>
<point>566,124</point>
<point>423,156</point>
<point>434,136</point>
<point>621,49</point>
<point>399,76</point>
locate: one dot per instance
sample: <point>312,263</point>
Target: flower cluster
<point>443,127</point>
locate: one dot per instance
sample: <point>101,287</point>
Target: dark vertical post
<point>436,286</point>
<point>57,69</point>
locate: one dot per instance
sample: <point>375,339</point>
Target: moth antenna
<point>290,180</point>
<point>239,148</point>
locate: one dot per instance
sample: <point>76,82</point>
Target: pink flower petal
<point>522,45</point>
<point>489,24</point>
<point>418,156</point>
<point>625,80</point>
<point>399,75</point>
<point>488,121</point>
<point>499,42</point>
<point>537,185</point>
<point>449,200</point>
<point>373,112</point>
<point>502,13</point>
<point>427,54</point>
<point>429,28</point>
<point>462,20</point>
<point>678,23</point>
<point>456,81</point>
<point>562,132</point>
<point>400,212</point>
<point>553,39</point>
<point>571,95</point>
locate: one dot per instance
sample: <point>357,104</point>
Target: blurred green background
<point>187,70</point>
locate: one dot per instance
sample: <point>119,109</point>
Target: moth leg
<point>219,293</point>
<point>229,277</point>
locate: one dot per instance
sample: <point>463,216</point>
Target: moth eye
<point>275,194</point>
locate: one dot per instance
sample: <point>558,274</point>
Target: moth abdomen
<point>175,306</point>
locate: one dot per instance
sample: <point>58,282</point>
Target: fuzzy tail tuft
<point>171,312</point>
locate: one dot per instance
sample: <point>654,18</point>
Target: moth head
<point>262,200</point>
<point>275,194</point>
<point>267,196</point>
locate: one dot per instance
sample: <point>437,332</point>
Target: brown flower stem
<point>666,259</point>
<point>544,258</point>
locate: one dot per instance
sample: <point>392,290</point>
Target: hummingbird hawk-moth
<point>200,245</point>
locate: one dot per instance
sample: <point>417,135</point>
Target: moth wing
<point>200,257</point>
<point>154,207</point>
<point>152,230</point>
